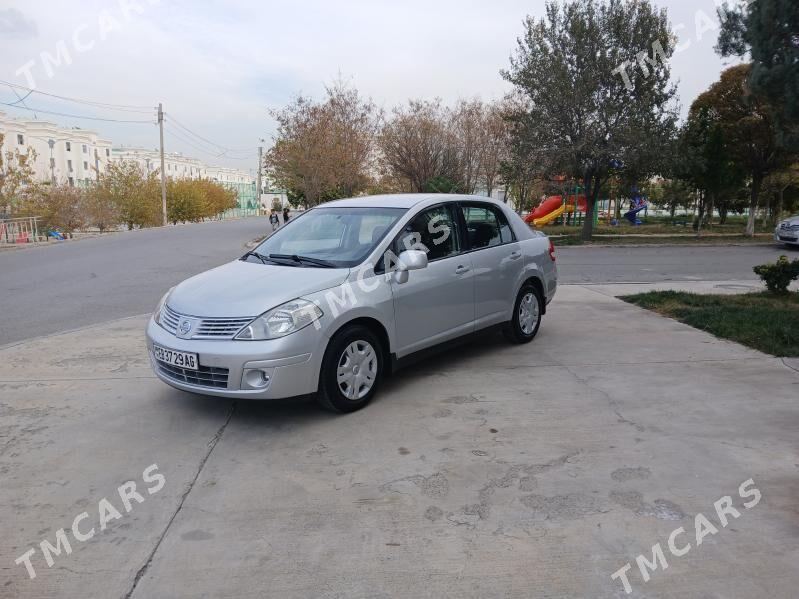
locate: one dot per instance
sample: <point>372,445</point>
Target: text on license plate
<point>175,358</point>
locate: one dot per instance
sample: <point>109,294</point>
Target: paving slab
<point>490,471</point>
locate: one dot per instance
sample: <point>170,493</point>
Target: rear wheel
<point>351,370</point>
<point>526,319</point>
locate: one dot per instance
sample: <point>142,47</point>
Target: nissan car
<point>349,291</point>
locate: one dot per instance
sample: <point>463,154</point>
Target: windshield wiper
<point>261,257</point>
<point>301,259</point>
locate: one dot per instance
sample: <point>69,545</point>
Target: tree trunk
<point>591,184</point>
<point>711,205</point>
<point>780,204</point>
<point>700,212</point>
<point>757,180</point>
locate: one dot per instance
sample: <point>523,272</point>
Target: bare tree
<point>325,150</point>
<point>494,144</point>
<point>418,148</point>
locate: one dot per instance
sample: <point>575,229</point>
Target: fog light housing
<point>256,378</point>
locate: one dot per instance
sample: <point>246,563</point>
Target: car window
<point>432,231</point>
<point>505,231</point>
<point>342,236</point>
<point>482,226</point>
<point>373,227</point>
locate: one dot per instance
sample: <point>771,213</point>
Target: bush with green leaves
<point>778,276</point>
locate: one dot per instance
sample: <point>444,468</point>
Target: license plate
<point>175,358</point>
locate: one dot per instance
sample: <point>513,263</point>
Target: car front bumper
<point>783,236</point>
<point>292,364</point>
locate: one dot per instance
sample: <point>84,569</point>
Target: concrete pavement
<point>491,471</point>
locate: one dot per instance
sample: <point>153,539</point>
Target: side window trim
<point>467,248</point>
<point>453,215</point>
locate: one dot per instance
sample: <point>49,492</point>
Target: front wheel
<point>526,319</point>
<point>351,370</point>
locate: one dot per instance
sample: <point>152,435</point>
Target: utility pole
<point>163,172</point>
<point>259,188</point>
<point>97,165</point>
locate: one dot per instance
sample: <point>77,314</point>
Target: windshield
<point>341,236</point>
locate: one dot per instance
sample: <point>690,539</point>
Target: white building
<point>178,166</point>
<point>62,154</point>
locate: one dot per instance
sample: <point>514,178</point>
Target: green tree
<point>746,131</point>
<point>135,194</point>
<point>768,30</point>
<point>596,86</point>
<point>16,176</point>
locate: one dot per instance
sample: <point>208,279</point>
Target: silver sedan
<point>349,291</point>
<point>787,232</point>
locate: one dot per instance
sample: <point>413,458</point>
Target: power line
<point>225,149</point>
<point>121,107</point>
<point>188,141</point>
<point>74,116</point>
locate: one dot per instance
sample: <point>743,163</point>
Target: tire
<point>351,370</point>
<point>526,320</point>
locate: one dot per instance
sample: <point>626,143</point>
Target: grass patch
<point>562,240</point>
<point>763,321</point>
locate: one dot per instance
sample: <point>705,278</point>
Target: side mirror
<point>407,261</point>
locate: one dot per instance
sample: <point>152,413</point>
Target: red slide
<point>551,204</point>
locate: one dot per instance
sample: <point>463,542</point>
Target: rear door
<point>497,261</point>
<point>436,303</point>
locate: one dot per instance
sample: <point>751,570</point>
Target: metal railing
<point>19,230</point>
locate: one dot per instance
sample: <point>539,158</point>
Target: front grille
<point>205,376</point>
<point>207,328</point>
<point>787,227</point>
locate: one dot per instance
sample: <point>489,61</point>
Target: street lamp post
<point>51,143</point>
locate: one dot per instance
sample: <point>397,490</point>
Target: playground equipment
<point>637,203</point>
<point>553,207</point>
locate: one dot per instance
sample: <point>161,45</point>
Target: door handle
<point>515,255</point>
<point>462,269</point>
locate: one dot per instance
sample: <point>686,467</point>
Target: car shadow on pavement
<point>305,410</point>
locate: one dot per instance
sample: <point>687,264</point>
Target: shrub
<point>778,276</point>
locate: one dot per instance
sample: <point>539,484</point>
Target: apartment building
<point>62,154</point>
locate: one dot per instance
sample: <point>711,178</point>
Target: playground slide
<point>546,207</point>
<point>548,218</point>
<point>632,215</point>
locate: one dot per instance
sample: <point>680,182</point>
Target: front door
<point>436,303</point>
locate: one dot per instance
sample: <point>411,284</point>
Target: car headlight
<point>160,308</point>
<point>281,321</point>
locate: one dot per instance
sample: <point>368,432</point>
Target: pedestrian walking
<point>286,215</point>
<point>273,218</point>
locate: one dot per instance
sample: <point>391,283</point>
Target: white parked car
<point>787,231</point>
<point>345,292</point>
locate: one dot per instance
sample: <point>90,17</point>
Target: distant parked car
<point>787,232</point>
<point>346,291</point>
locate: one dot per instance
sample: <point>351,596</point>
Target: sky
<point>219,67</point>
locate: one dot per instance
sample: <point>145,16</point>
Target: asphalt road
<point>74,284</point>
<point>70,285</point>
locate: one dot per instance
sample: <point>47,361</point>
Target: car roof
<point>403,200</point>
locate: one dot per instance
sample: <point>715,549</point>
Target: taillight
<point>551,250</point>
